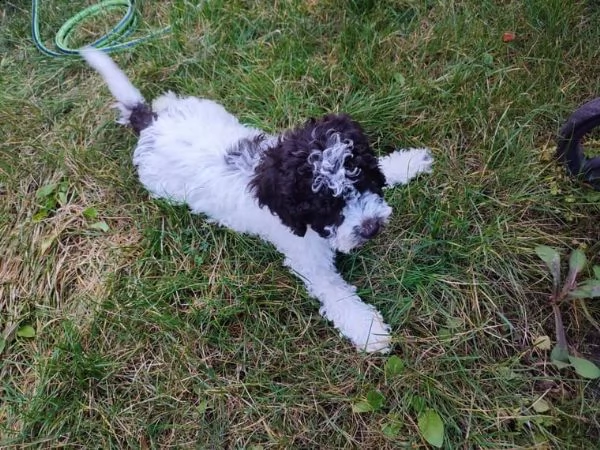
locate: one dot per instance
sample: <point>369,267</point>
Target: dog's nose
<point>369,228</point>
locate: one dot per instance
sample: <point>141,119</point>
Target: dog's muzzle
<point>369,228</point>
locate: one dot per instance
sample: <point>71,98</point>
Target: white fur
<point>120,87</point>
<point>366,205</point>
<point>183,156</point>
<point>400,167</point>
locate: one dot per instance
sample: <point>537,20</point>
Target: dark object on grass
<point>570,149</point>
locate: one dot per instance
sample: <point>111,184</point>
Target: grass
<point>165,331</point>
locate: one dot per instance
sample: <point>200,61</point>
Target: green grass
<point>165,331</point>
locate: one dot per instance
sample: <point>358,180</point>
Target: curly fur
<point>310,191</point>
<point>307,178</point>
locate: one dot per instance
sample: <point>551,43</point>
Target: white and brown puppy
<point>311,191</point>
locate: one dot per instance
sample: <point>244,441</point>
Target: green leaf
<point>444,333</point>
<point>49,203</point>
<point>26,331</point>
<point>394,366</point>
<point>46,244</point>
<point>488,59</point>
<point>560,364</point>
<point>559,354</point>
<point>592,282</point>
<point>202,407</point>
<point>102,226</point>
<point>596,270</point>
<point>552,259</point>
<point>62,198</point>
<point>543,343</point>
<point>506,373</point>
<point>362,406</point>
<point>588,289</point>
<point>45,191</point>
<point>585,368</point>
<point>373,402</point>
<point>577,261</point>
<point>40,215</point>
<point>2,344</point>
<point>399,78</point>
<point>391,429</point>
<point>454,322</point>
<point>375,399</point>
<point>431,427</point>
<point>541,406</point>
<point>90,213</point>
<point>581,292</point>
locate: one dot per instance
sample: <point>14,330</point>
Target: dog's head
<point>325,176</point>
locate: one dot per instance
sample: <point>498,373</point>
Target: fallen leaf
<point>540,406</point>
<point>362,406</point>
<point>431,427</point>
<point>543,343</point>
<point>102,226</point>
<point>394,366</point>
<point>585,368</point>
<point>509,36</point>
<point>26,331</point>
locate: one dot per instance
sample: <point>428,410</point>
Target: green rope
<point>108,42</point>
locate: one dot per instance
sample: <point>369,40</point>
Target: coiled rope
<point>111,41</point>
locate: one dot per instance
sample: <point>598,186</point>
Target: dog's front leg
<point>356,320</point>
<point>401,166</point>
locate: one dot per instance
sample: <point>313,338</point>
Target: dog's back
<point>187,147</point>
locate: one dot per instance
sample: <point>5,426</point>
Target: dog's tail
<point>134,110</point>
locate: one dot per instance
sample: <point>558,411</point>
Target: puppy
<point>310,191</point>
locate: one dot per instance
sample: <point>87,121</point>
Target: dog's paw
<point>377,339</point>
<point>401,166</point>
<point>361,323</point>
<point>420,161</point>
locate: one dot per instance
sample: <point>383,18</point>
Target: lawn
<point>127,322</point>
